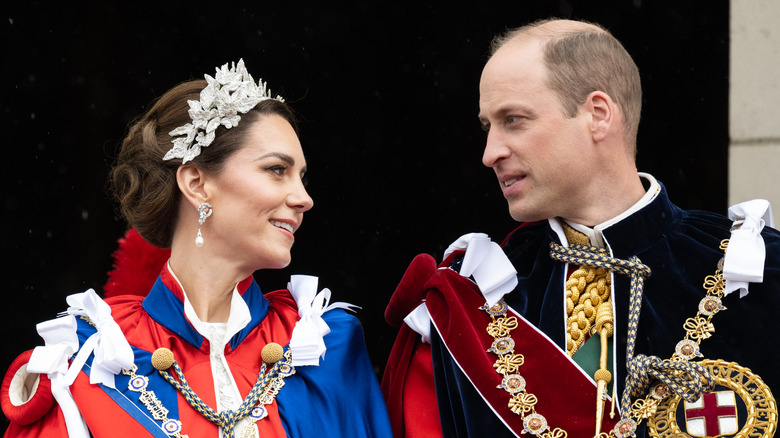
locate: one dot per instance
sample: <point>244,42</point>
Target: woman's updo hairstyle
<point>145,185</point>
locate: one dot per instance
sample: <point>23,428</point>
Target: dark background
<point>387,92</point>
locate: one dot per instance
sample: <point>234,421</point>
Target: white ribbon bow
<point>487,263</point>
<point>112,353</point>
<point>744,261</point>
<point>306,343</point>
<point>61,342</point>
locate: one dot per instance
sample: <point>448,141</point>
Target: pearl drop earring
<point>204,211</point>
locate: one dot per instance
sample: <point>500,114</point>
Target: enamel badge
<point>741,405</point>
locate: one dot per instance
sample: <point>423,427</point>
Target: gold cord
<point>590,288</point>
<point>587,288</point>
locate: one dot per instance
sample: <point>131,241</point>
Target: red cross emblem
<point>712,415</point>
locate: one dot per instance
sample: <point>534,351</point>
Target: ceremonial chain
<point>153,404</point>
<point>253,407</point>
<point>676,375</point>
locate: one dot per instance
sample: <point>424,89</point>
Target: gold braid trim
<point>587,289</point>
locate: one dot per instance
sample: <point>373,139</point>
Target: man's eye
<point>485,127</point>
<point>515,121</point>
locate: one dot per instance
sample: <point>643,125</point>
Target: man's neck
<point>651,189</point>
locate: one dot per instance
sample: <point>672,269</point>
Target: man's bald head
<point>580,58</point>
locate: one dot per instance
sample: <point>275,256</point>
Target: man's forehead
<point>512,80</point>
<point>513,65</point>
<point>509,94</point>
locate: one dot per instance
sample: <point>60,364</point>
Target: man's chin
<point>524,215</point>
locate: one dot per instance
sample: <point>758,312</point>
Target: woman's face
<point>258,197</point>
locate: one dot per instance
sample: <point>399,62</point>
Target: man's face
<point>540,155</point>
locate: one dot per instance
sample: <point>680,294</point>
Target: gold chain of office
<point>698,328</point>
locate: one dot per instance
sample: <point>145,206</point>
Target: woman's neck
<point>207,282</point>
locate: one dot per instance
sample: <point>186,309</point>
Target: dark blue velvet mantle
<point>681,248</point>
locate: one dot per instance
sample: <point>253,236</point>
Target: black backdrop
<point>387,92</point>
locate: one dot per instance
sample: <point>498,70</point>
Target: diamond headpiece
<point>229,93</point>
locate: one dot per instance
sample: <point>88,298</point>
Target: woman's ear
<point>601,109</point>
<point>192,181</point>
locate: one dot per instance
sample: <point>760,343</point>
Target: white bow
<point>112,353</point>
<point>744,261</point>
<point>487,263</point>
<point>61,342</point>
<point>306,343</point>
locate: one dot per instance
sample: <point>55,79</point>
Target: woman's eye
<point>279,170</point>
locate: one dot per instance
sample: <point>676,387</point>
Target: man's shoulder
<point>527,238</point>
<point>527,231</point>
<point>771,238</point>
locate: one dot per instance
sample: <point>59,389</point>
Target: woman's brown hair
<point>145,185</point>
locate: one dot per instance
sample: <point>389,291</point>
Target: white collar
<point>238,318</point>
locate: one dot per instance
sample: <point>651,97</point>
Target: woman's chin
<point>277,263</point>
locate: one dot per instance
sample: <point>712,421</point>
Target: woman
<point>214,170</point>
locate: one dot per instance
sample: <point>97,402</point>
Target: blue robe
<point>680,247</point>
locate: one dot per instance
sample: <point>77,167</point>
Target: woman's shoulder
<point>125,307</point>
<point>302,301</point>
<point>27,391</point>
<point>341,319</point>
<point>281,299</point>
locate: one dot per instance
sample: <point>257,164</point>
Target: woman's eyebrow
<point>284,157</point>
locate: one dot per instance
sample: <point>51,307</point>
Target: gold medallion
<point>716,419</point>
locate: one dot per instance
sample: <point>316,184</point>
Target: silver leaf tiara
<point>228,93</point>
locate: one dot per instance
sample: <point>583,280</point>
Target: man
<point>605,281</point>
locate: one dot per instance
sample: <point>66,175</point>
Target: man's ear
<point>192,183</point>
<point>601,109</point>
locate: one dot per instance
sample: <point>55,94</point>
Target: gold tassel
<point>604,328</point>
